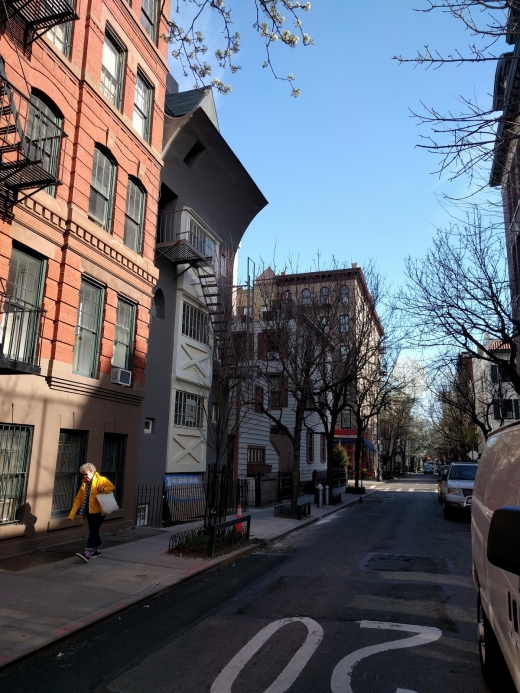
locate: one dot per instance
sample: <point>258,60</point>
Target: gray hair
<point>88,467</point>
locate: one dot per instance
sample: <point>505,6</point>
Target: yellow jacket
<point>100,484</point>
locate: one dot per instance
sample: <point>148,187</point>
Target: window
<point>61,36</point>
<point>194,323</point>
<point>499,374</point>
<point>255,455</point>
<point>158,305</point>
<point>324,294</point>
<point>343,294</point>
<point>43,135</point>
<point>124,335</point>
<point>112,64</point>
<point>72,450</point>
<point>88,329</point>
<point>142,514</point>
<point>149,426</point>
<point>346,419</point>
<point>310,447</point>
<point>102,189</point>
<point>142,107</point>
<point>343,352</point>
<point>222,265</point>
<point>149,17</point>
<point>506,409</point>
<point>134,216</point>
<point>278,393</point>
<point>20,322</point>
<point>325,326</point>
<point>113,462</point>
<point>188,409</point>
<point>259,400</point>
<point>306,297</point>
<point>323,448</point>
<point>15,447</point>
<point>343,323</point>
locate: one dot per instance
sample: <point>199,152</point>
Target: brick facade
<point>58,229</point>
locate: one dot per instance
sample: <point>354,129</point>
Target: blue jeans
<point>95,520</point>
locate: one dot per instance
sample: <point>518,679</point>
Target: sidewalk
<point>42,604</point>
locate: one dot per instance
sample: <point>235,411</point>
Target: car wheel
<point>439,497</point>
<point>492,662</point>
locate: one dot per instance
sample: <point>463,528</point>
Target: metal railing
<point>37,16</point>
<point>30,145</point>
<point>161,507</point>
<point>182,227</point>
<point>275,487</point>
<point>20,333</point>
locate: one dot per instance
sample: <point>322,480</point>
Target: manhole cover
<point>391,562</point>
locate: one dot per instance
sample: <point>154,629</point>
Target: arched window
<point>102,187</point>
<point>324,294</point>
<point>44,132</point>
<point>134,215</point>
<point>343,294</point>
<point>158,305</point>
<point>306,297</point>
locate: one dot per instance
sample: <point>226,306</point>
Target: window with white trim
<point>112,64</point>
<point>134,216</point>
<point>194,323</point>
<point>188,409</point>
<point>149,18</point>
<point>142,107</point>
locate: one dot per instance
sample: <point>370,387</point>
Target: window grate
<point>124,335</point>
<point>72,449</point>
<point>188,409</point>
<point>113,462</point>
<point>15,445</point>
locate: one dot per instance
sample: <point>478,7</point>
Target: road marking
<point>342,674</point>
<point>411,490</point>
<point>285,680</point>
<point>398,489</point>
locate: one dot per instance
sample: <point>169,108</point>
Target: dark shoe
<point>83,557</point>
<point>95,554</point>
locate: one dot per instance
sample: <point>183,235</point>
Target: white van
<point>495,536</point>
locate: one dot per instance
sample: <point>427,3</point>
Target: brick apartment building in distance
<point>82,85</point>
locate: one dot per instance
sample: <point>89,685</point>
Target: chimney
<point>354,265</point>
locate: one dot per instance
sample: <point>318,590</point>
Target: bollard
<point>320,495</point>
<point>326,495</point>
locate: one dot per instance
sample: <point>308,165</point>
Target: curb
<point>156,590</point>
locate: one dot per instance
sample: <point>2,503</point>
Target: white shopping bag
<point>107,502</point>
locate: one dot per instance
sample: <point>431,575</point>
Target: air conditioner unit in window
<point>274,355</point>
<point>121,377</point>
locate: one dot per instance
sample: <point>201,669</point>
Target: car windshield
<point>463,472</point>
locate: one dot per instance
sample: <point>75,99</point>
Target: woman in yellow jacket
<point>87,505</point>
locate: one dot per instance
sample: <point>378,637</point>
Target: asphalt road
<point>314,612</point>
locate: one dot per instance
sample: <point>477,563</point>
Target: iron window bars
<point>15,446</point>
<point>72,449</point>
<point>192,244</point>
<point>37,16</point>
<point>113,462</point>
<point>30,145</point>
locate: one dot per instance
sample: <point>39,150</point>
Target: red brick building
<point>82,87</point>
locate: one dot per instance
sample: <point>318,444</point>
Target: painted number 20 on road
<point>342,674</point>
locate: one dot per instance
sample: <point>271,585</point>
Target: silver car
<point>458,486</point>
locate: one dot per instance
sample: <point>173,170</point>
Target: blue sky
<point>339,165</point>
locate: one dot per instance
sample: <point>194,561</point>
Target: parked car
<point>457,487</point>
<point>495,538</point>
<point>443,472</point>
<point>428,468</point>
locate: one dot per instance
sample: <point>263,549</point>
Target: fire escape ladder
<point>221,326</point>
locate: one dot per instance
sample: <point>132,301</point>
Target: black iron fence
<point>275,487</point>
<point>158,506</point>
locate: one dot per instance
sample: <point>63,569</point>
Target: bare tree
<point>269,21</point>
<point>466,138</point>
<point>459,298</point>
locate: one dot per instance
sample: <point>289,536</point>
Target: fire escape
<point>29,19</point>
<point>182,240</point>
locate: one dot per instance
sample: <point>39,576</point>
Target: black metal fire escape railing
<point>20,335</point>
<point>36,16</point>
<point>30,147</point>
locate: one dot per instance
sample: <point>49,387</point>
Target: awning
<point>352,441</point>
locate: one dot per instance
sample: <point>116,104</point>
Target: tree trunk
<point>330,457</point>
<point>298,427</point>
<point>357,457</point>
